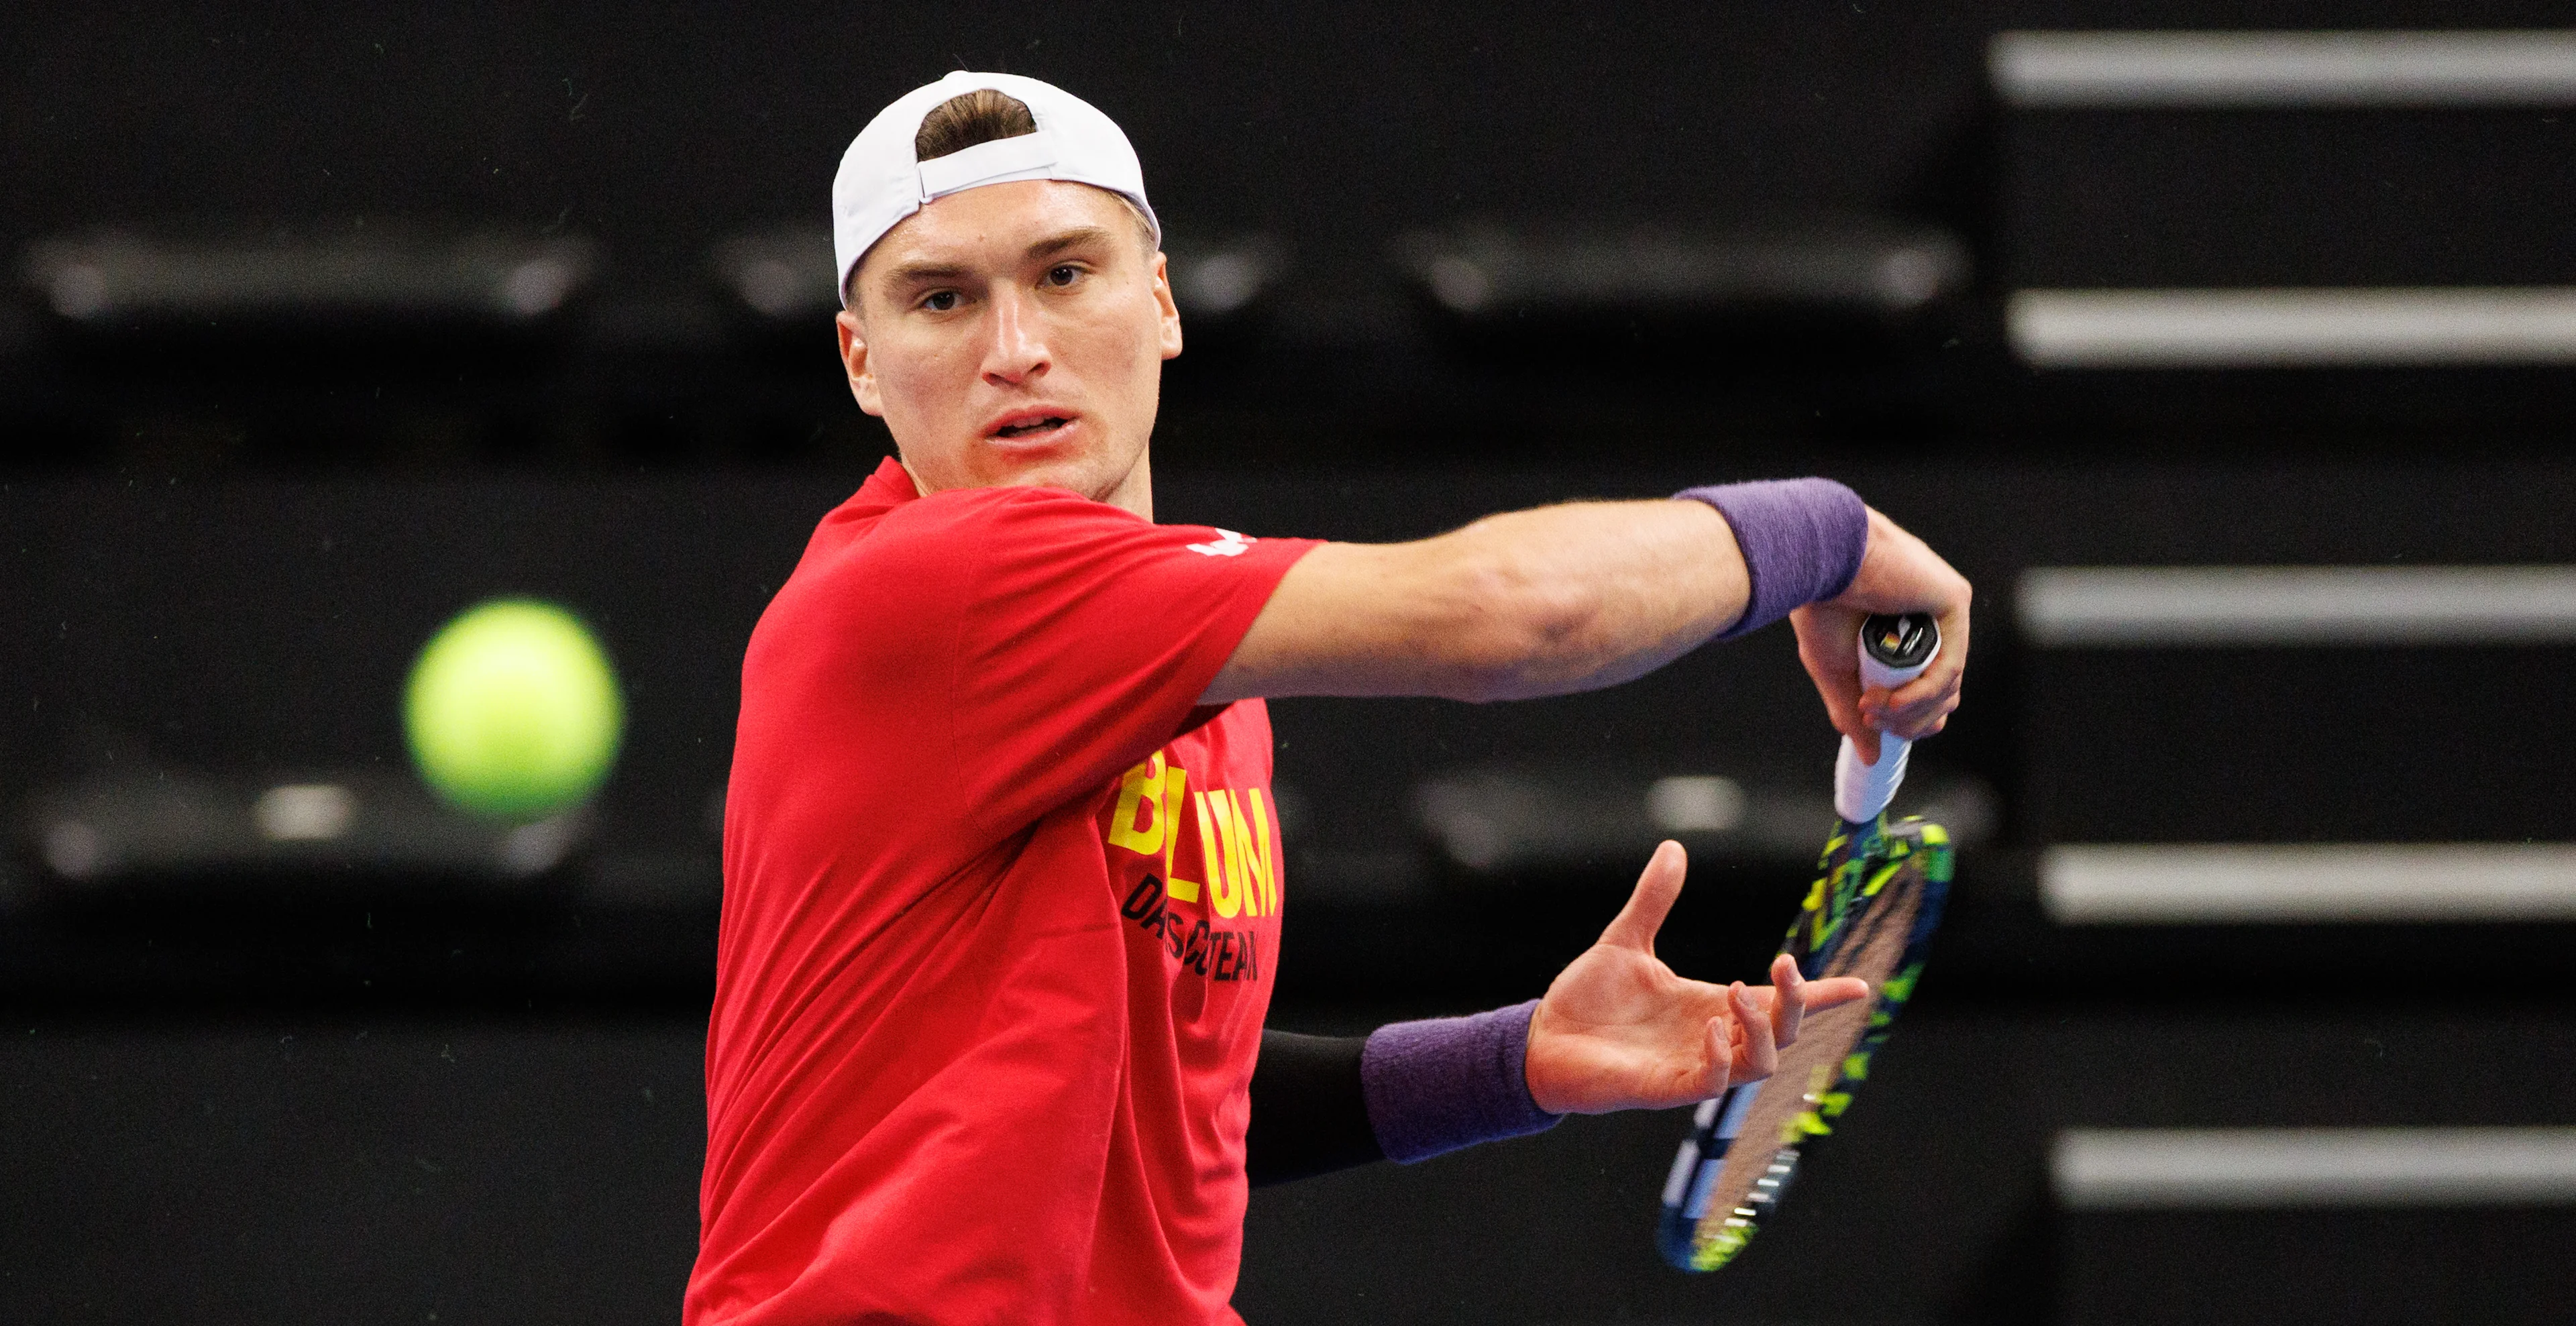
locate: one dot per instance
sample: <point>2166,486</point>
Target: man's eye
<point>1063,275</point>
<point>940,301</point>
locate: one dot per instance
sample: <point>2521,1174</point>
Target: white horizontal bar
<point>2151,606</point>
<point>2102,1169</point>
<point>2240,884</point>
<point>2161,69</point>
<point>2293,328</point>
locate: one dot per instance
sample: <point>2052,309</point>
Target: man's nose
<point>1016,349</point>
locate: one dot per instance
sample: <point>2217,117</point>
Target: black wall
<point>658,127</point>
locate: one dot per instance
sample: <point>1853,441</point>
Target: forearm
<point>1541,602</point>
<point>1407,1091</point>
<point>1309,1108</point>
<point>1591,594</point>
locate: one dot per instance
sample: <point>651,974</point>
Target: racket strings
<point>1870,914</point>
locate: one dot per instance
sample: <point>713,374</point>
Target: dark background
<point>221,545</point>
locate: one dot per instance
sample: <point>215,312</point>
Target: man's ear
<point>1171,312</point>
<point>854,361</point>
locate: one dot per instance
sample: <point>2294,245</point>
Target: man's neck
<point>1134,492</point>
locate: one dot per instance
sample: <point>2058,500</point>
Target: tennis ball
<point>513,711</point>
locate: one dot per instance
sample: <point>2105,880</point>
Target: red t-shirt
<point>1001,910</point>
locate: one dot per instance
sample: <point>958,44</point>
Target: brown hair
<point>986,115</point>
<point>981,116</point>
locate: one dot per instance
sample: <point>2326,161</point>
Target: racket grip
<point>1861,789</point>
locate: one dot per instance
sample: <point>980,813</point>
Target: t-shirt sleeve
<point>1087,637</point>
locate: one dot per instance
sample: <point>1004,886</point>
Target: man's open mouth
<point>1028,426</point>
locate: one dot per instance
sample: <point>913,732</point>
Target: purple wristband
<point>1444,1083</point>
<point>1802,541</point>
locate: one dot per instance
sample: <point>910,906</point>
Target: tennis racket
<point>1870,913</point>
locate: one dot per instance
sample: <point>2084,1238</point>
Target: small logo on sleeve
<point>1227,543</point>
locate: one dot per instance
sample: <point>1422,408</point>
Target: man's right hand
<point>1898,573</point>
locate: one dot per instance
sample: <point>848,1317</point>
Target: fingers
<point>1821,994</point>
<point>1788,1002</point>
<point>1635,925</point>
<point>1875,713</point>
<point>1829,648</point>
<point>1717,1069</point>
<point>1900,573</point>
<point>1914,719</point>
<point>1834,992</point>
<point>1923,706</point>
<point>1759,1056</point>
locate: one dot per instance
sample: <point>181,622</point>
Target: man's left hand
<point>1619,1031</point>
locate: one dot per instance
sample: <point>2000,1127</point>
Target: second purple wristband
<point>1443,1083</point>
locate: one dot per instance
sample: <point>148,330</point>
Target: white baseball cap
<point>881,182</point>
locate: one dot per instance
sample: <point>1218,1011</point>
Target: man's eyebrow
<point>1075,238</point>
<point>914,272</point>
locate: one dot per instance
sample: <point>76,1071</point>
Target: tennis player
<point>1002,868</point>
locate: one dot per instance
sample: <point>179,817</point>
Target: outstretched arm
<point>1543,602</point>
<point>1589,594</point>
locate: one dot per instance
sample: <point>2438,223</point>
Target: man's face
<point>1014,334</point>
